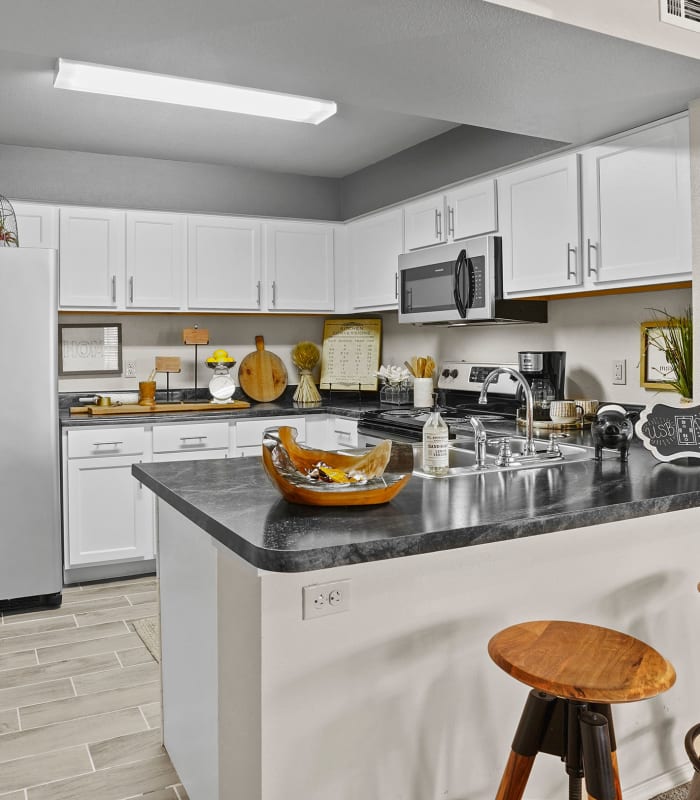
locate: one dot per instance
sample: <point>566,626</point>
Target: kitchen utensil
<point>261,374</point>
<point>157,408</point>
<point>422,392</point>
<point>147,392</point>
<point>410,368</point>
<point>429,367</point>
<point>420,371</point>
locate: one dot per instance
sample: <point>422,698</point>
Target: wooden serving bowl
<point>287,464</point>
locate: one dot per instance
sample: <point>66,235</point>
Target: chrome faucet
<point>479,443</point>
<point>530,448</point>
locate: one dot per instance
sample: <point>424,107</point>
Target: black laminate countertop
<point>233,500</point>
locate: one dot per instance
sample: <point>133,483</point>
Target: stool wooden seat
<point>581,662</point>
<point>575,671</point>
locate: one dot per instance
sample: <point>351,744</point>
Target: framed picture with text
<point>654,370</point>
<point>90,349</point>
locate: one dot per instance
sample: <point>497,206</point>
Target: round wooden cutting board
<point>261,374</point>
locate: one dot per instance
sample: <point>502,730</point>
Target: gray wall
<point>58,176</point>
<point>459,154</point>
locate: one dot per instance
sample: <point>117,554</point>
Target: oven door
<point>449,283</point>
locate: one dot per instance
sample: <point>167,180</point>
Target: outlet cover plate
<point>321,599</point>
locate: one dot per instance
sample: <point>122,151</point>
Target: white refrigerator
<point>30,515</point>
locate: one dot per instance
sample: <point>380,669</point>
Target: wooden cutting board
<point>261,374</point>
<point>157,408</point>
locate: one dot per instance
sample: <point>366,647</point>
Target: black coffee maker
<point>544,371</point>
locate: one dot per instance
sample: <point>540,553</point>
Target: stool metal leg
<point>526,744</point>
<point>597,756</point>
<point>606,710</point>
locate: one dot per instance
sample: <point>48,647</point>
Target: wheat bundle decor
<point>305,356</point>
<point>8,224</point>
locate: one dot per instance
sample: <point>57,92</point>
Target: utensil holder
<point>423,392</point>
<point>147,393</point>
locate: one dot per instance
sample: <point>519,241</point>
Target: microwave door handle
<point>459,266</point>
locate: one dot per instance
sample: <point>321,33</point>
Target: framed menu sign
<point>670,432</point>
<point>350,355</point>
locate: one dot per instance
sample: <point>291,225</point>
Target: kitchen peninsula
<point>396,696</point>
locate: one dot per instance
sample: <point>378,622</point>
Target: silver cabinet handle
<point>396,285</point>
<point>258,293</point>
<point>189,438</point>
<point>438,224</point>
<point>274,293</point>
<point>105,444</point>
<point>590,246</point>
<point>569,251</point>
<point>114,288</point>
<point>131,288</point>
<point>450,221</point>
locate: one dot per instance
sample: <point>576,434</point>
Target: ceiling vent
<point>683,13</point>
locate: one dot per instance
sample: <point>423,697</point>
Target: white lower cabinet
<point>342,433</point>
<point>249,433</point>
<point>109,515</point>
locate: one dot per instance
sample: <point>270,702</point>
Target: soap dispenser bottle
<point>435,443</point>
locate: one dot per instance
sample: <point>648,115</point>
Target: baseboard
<point>126,570</point>
<point>660,783</point>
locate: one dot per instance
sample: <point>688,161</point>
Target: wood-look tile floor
<point>80,700</point>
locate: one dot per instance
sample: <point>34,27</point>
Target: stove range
<point>459,385</point>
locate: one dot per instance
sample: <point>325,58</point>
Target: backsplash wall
<point>593,331</point>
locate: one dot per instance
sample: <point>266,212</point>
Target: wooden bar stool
<point>576,671</point>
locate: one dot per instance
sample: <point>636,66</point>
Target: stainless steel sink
<point>462,459</point>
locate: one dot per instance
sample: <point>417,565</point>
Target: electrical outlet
<point>325,598</point>
<point>620,371</point>
<point>130,369</point>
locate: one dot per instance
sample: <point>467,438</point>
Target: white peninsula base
<point>397,699</point>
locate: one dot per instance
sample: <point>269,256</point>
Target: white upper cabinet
<point>37,225</point>
<point>374,245</point>
<point>425,222</point>
<point>471,210</point>
<point>224,270</point>
<point>92,258</point>
<point>539,222</point>
<point>464,211</point>
<point>155,259</point>
<point>299,266</point>
<point>636,207</point>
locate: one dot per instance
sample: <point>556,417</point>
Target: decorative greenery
<point>675,338</point>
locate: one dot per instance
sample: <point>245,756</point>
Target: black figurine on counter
<point>612,429</point>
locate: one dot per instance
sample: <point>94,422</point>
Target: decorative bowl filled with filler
<point>221,386</point>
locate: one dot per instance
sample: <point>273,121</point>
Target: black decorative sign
<point>670,432</point>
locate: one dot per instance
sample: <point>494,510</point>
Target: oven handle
<point>460,303</point>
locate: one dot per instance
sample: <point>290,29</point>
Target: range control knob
<point>454,373</point>
<point>445,373</point>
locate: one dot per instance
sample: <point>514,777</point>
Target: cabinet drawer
<point>198,436</point>
<point>249,432</point>
<point>345,432</point>
<point>115,441</point>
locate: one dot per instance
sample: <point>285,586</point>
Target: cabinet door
<point>299,266</point>
<point>91,272</point>
<point>636,194</point>
<point>224,269</point>
<point>424,221</point>
<point>539,222</point>
<point>471,210</point>
<point>374,245</point>
<point>37,225</point>
<point>110,514</point>
<point>155,259</point>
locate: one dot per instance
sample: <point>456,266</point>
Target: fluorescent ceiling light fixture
<point>81,76</point>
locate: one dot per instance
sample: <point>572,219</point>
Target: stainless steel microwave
<point>460,284</point>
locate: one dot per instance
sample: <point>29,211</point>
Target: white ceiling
<point>401,71</point>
